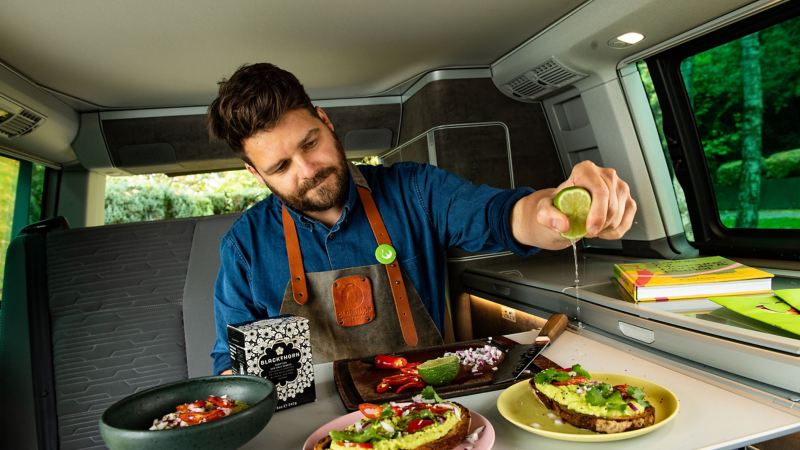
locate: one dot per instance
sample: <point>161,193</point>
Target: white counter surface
<point>709,416</point>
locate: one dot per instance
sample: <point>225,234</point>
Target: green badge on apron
<point>385,254</point>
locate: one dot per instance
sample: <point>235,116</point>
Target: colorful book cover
<point>706,274</point>
<point>771,309</point>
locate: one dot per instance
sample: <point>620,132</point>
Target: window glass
<point>37,192</point>
<point>158,196</point>
<point>745,96</point>
<point>9,173</point>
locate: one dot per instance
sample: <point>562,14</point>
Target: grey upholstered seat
<point>92,315</point>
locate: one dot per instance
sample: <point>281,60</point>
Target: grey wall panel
<point>487,166</point>
<point>350,118</point>
<point>534,156</point>
<point>171,144</point>
<point>117,325</point>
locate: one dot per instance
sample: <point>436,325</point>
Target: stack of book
<point>690,278</point>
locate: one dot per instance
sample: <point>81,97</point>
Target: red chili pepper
<point>390,362</point>
<point>214,415</point>
<point>409,370</point>
<point>418,424</point>
<point>382,387</point>
<point>576,380</point>
<point>438,409</point>
<point>401,378</point>
<point>192,418</point>
<point>220,402</point>
<point>370,410</point>
<point>355,444</point>
<point>419,384</point>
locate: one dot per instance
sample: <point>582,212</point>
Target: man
<point>359,251</point>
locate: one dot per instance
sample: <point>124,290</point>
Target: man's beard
<point>326,197</point>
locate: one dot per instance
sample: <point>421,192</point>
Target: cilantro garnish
<point>387,411</point>
<point>365,435</point>
<point>581,372</point>
<point>550,375</point>
<point>430,394</point>
<point>605,395</point>
<point>638,394</point>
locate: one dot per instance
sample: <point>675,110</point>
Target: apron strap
<point>296,271</point>
<point>396,282</point>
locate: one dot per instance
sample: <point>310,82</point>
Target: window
<point>21,189</point>
<point>731,105</point>
<point>745,95</point>
<point>156,197</point>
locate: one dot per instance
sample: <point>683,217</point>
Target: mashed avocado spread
<point>409,441</point>
<point>575,401</point>
<point>574,389</point>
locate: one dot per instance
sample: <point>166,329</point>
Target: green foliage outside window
<point>745,96</point>
<point>9,173</point>
<point>37,190</point>
<point>157,196</point>
<point>746,100</point>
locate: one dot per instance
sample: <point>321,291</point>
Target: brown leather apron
<point>357,311</point>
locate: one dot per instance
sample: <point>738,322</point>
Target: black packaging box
<point>279,349</point>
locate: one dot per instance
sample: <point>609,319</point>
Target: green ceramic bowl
<point>124,425</point>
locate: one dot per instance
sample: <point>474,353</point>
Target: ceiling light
<point>631,38</point>
<point>625,40</point>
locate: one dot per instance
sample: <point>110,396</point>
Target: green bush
<point>728,173</point>
<point>783,164</point>
<point>158,197</point>
<point>778,165</point>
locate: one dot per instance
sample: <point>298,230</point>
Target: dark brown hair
<point>254,99</point>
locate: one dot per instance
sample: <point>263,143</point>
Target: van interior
<point>512,93</point>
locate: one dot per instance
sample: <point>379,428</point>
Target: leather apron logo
<point>352,301</point>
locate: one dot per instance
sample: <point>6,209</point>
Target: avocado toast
<point>416,425</point>
<point>582,402</point>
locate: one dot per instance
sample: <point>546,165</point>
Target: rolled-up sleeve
<point>473,217</point>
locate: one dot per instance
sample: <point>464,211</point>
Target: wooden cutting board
<point>356,378</point>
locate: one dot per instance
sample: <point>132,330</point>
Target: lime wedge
<point>439,371</point>
<point>574,202</point>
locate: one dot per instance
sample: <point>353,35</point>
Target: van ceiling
<point>156,53</point>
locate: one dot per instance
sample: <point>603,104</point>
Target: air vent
<point>17,120</point>
<point>542,79</point>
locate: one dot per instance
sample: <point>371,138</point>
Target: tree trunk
<point>750,177</point>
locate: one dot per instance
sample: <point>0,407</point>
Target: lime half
<point>574,202</point>
<point>439,371</point>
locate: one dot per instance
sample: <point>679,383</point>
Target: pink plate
<point>484,442</point>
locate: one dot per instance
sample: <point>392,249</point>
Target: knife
<point>521,356</point>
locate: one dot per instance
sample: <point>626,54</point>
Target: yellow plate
<point>520,406</point>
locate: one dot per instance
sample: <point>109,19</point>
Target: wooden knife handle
<point>555,325</point>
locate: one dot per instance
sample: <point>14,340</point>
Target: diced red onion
<point>386,426</point>
<point>633,407</point>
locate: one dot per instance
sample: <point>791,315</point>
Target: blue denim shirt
<point>425,209</point>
